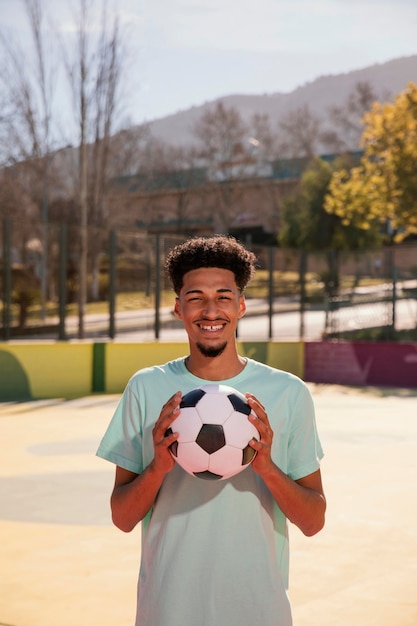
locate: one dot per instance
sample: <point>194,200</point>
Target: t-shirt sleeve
<point>122,441</point>
<point>304,448</point>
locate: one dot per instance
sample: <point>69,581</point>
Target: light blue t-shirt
<point>214,553</point>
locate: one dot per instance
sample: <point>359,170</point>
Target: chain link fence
<point>295,294</point>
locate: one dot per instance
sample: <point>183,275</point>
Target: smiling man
<point>210,305</point>
<point>214,553</point>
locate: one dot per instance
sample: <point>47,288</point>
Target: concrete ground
<point>63,564</point>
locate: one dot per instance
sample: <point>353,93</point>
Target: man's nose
<point>210,308</point>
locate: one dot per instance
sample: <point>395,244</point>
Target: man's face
<point>210,306</point>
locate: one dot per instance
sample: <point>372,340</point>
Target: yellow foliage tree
<point>383,188</point>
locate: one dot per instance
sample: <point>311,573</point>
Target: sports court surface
<point>63,564</point>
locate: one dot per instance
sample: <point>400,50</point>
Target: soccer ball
<point>214,432</point>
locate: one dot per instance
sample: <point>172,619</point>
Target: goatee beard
<point>211,351</point>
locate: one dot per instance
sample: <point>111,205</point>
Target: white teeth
<point>212,328</point>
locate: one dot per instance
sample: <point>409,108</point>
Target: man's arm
<point>134,494</point>
<point>302,501</point>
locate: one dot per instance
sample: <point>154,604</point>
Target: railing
<point>297,294</point>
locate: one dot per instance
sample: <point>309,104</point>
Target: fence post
<point>63,258</point>
<point>112,283</point>
<point>157,285</point>
<point>271,258</point>
<point>303,264</point>
<point>394,296</point>
<point>7,278</point>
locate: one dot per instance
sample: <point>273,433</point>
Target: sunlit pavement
<point>63,564</point>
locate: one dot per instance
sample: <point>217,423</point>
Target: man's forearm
<point>302,501</point>
<point>131,501</point>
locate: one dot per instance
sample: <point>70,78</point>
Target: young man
<point>214,553</point>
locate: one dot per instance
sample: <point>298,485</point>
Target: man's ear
<point>177,311</point>
<point>242,306</point>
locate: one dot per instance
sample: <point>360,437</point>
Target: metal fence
<point>295,295</point>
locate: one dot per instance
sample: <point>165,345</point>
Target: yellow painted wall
<point>45,370</point>
<point>124,359</point>
<point>51,369</point>
<point>287,356</point>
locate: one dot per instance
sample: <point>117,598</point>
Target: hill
<point>386,79</point>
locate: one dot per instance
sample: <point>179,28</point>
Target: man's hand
<point>134,494</point>
<point>302,501</point>
<point>262,461</point>
<point>163,461</point>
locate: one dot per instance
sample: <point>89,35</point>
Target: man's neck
<point>221,367</point>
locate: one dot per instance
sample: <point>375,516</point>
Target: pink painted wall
<point>361,363</point>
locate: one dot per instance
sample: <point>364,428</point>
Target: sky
<point>188,52</point>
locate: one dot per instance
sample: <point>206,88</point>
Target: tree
<point>263,140</point>
<point>28,83</point>
<point>225,149</point>
<point>308,226</point>
<point>383,188</point>
<point>221,133</point>
<point>29,124</point>
<point>95,71</point>
<point>347,120</point>
<point>299,133</point>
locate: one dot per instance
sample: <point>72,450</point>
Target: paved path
<point>63,564</point>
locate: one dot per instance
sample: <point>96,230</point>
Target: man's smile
<point>211,328</point>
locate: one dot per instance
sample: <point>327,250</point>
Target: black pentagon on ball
<point>247,455</point>
<point>191,398</point>
<point>174,445</point>
<point>207,475</point>
<point>238,404</point>
<point>211,438</point>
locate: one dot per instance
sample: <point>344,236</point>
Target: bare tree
<point>224,147</point>
<point>95,71</point>
<point>28,82</point>
<point>299,133</point>
<point>221,133</point>
<point>132,150</point>
<point>346,121</point>
<point>263,139</point>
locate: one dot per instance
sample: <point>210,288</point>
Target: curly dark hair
<point>216,251</point>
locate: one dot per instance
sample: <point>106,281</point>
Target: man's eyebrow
<point>220,290</point>
<point>193,291</point>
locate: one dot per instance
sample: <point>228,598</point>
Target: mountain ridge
<point>386,79</point>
